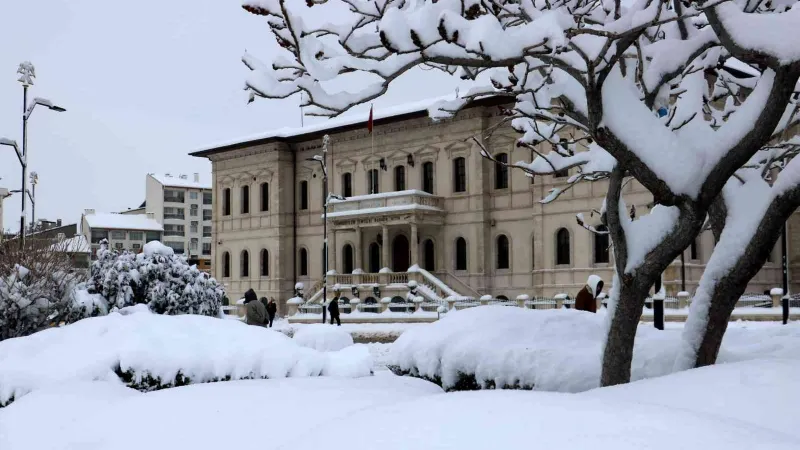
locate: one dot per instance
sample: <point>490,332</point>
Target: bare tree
<point>601,68</point>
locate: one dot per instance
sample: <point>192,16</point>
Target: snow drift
<point>553,350</point>
<point>152,351</point>
<point>324,338</point>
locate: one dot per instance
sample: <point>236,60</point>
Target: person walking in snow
<point>272,309</point>
<point>333,308</point>
<point>586,300</point>
<point>255,312</point>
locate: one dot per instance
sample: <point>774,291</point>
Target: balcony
<point>387,203</point>
<point>174,216</point>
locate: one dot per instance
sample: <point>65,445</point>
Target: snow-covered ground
<point>744,405</point>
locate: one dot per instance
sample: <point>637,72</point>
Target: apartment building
<point>124,232</point>
<point>423,195</point>
<point>183,206</point>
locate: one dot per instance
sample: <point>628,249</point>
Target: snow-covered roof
<point>122,222</point>
<point>383,195</point>
<point>176,181</point>
<point>348,120</point>
<point>77,244</point>
<point>384,210</point>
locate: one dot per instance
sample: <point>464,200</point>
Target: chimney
<point>88,212</point>
<point>151,215</point>
<point>196,177</point>
<point>58,222</point>
<point>184,177</point>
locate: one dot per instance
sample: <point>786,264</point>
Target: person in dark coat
<point>333,308</point>
<point>272,309</point>
<point>255,311</point>
<point>586,300</point>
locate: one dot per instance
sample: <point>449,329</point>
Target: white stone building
<point>124,232</point>
<point>476,226</point>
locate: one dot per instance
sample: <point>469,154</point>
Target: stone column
<point>333,262</point>
<point>359,250</point>
<point>385,247</point>
<point>414,245</point>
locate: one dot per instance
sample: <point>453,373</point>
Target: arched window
<point>264,263</point>
<point>501,171</point>
<point>347,258</point>
<point>245,200</point>
<point>503,259</point>
<point>245,264</point>
<point>374,257</point>
<point>373,185</point>
<point>461,254</point>
<point>562,246</point>
<point>601,243</point>
<point>429,261</point>
<point>304,194</point>
<point>400,178</point>
<point>264,196</point>
<point>459,175</point>
<point>347,184</point>
<point>427,177</point>
<point>303,262</point>
<point>694,250</point>
<point>226,265</point>
<point>226,202</point>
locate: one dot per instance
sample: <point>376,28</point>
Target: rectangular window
<point>206,248</point>
<point>373,181</point>
<point>135,235</point>
<point>206,215</point>
<point>174,230</point>
<point>174,196</point>
<point>193,195</point>
<point>206,198</point>
<point>245,200</point>
<point>193,210</point>
<point>459,175</point>
<point>264,197</point>
<point>561,173</point>
<point>226,202</point>
<point>174,213</point>
<point>501,171</point>
<point>193,243</point>
<point>347,185</point>
<point>99,235</point>
<point>137,247</point>
<point>118,235</point>
<point>178,247</point>
<point>400,178</point>
<point>193,228</point>
<point>304,195</point>
<point>152,236</point>
<point>601,243</point>
<point>427,177</point>
<point>206,231</point>
<point>118,245</point>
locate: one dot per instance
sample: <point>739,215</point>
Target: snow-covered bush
<point>552,350</point>
<point>157,277</point>
<point>152,351</point>
<point>324,338</point>
<point>37,289</point>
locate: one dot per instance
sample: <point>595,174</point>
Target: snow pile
<point>324,338</point>
<point>157,277</point>
<point>152,351</point>
<point>554,350</point>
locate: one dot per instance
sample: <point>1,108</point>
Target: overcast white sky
<point>144,83</point>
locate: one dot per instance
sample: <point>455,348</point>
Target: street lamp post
<point>34,182</point>
<point>328,196</point>
<point>27,74</point>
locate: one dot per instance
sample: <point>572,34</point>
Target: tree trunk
<point>618,353</point>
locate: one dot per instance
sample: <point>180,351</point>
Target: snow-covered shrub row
<point>491,347</point>
<point>157,277</point>
<point>151,351</point>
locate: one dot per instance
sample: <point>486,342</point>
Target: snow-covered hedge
<point>151,351</point>
<point>157,277</point>
<point>552,350</point>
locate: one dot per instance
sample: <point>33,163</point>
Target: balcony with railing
<point>386,203</point>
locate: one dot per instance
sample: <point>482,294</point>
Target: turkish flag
<point>369,122</point>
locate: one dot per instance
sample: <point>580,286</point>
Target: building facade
<point>422,195</point>
<point>183,206</point>
<point>123,232</point>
